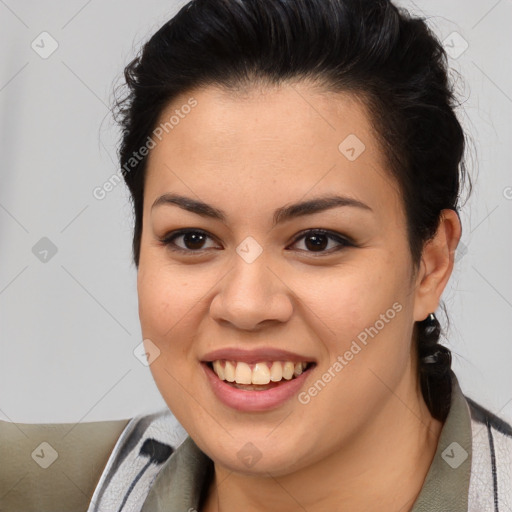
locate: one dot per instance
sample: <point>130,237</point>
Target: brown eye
<point>316,240</point>
<point>192,240</point>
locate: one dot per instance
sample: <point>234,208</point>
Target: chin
<point>255,454</point>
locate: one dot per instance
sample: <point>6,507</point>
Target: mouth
<point>259,376</point>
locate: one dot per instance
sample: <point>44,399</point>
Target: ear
<point>436,265</point>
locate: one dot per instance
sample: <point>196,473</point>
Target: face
<point>251,281</point>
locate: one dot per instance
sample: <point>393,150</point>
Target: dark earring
<point>430,324</point>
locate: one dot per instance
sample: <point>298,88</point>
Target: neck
<point>382,469</point>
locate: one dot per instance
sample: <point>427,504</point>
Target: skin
<point>366,441</point>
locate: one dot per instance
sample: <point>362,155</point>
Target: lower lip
<point>254,401</point>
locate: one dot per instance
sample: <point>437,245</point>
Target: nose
<point>252,294</point>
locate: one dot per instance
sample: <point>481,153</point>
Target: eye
<point>318,239</point>
<point>193,239</point>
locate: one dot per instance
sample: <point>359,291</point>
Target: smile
<point>256,387</point>
<point>256,376</point>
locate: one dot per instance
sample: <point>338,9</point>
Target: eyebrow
<point>281,215</point>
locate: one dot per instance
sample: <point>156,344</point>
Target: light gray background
<point>68,326</point>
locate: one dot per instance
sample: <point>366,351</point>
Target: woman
<point>296,170</point>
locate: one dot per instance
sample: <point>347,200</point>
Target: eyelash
<point>168,240</point>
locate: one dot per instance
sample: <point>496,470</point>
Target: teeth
<point>260,373</point>
<point>229,372</point>
<point>243,374</point>
<point>297,370</point>
<point>219,370</point>
<point>276,372</point>
<point>288,370</point>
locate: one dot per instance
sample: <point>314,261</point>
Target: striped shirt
<point>155,466</point>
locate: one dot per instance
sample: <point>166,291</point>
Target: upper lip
<point>255,355</point>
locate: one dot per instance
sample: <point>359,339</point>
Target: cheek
<point>166,312</point>
<point>351,298</point>
<point>366,309</point>
<point>166,299</point>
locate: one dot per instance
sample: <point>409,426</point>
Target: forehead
<point>276,144</point>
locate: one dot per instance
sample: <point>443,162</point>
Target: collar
<point>446,486</point>
<point>180,484</point>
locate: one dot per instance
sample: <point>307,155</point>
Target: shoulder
<point>491,464</point>
<point>148,441</point>
<point>143,447</point>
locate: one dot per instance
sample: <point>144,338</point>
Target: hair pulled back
<point>371,48</point>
